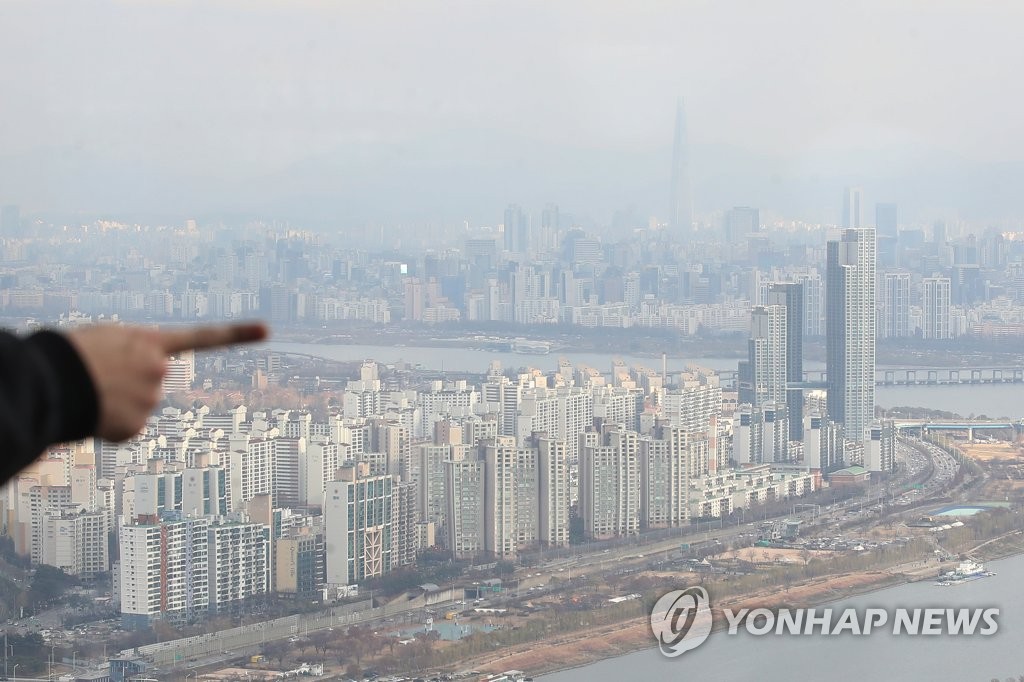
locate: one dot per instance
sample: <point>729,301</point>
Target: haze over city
<point>336,114</point>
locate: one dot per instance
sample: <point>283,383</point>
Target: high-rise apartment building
<point>204,491</point>
<point>610,482</point>
<point>249,464</point>
<point>318,466</point>
<point>404,524</point>
<point>665,476</point>
<point>465,497</point>
<point>164,570</point>
<point>181,372</point>
<point>510,493</point>
<point>767,354</point>
<point>299,569</point>
<point>850,331</point>
<point>358,525</point>
<point>761,434</point>
<point>75,540</point>
<point>880,449</point>
<point>791,296</point>
<point>935,303</point>
<point>896,305</point>
<point>694,401</point>
<point>238,558</point>
<point>553,491</point>
<point>430,478</point>
<point>814,304</point>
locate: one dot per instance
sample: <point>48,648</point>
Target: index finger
<point>211,336</point>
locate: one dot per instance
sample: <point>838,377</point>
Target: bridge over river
<point>923,426</point>
<point>916,376</point>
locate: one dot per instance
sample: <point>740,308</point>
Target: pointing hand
<point>128,364</point>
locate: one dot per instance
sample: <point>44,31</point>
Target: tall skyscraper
<point>850,331</point>
<point>896,305</point>
<point>517,229</point>
<point>935,302</point>
<point>853,207</point>
<point>741,221</point>
<point>886,218</point>
<point>791,296</point>
<point>682,199</point>
<point>767,354</point>
<point>814,303</point>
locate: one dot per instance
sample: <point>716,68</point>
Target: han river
<point>999,400</point>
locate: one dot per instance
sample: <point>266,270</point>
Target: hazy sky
<point>427,111</point>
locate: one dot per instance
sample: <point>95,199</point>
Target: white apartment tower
<point>164,570</point>
<point>464,520</point>
<point>75,540</point>
<point>358,526</point>
<point>896,305</point>
<point>238,559</point>
<point>510,493</point>
<point>610,483</point>
<point>315,469</point>
<point>850,331</point>
<point>665,477</point>
<point>768,354</point>
<point>935,304</point>
<point>695,402</point>
<point>553,491</point>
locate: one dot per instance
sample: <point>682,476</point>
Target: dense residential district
<point>272,484</point>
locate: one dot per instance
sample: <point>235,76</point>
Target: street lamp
<point>16,671</point>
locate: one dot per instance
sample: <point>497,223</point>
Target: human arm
<point>46,397</point>
<point>101,380</point>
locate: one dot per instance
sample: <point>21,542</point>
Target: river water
<point>1000,400</point>
<point>847,658</point>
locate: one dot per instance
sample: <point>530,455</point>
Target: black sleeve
<point>46,397</point>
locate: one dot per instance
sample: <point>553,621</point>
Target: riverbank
<point>591,646</point>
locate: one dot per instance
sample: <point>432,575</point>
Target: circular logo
<point>681,620</point>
